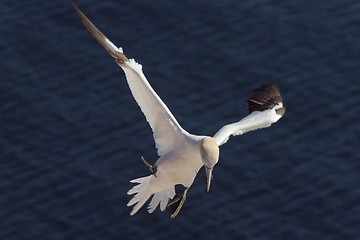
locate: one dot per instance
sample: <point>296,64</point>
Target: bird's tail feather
<point>143,191</point>
<point>161,198</point>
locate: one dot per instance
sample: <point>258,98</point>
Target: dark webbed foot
<point>176,203</point>
<point>153,169</point>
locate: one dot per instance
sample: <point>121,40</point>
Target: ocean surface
<point>71,134</point>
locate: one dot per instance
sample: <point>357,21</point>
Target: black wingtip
<point>73,3</point>
<point>264,98</point>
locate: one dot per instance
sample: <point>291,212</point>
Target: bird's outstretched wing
<point>166,130</point>
<point>265,107</point>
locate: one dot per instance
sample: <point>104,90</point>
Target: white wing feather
<point>166,130</point>
<point>265,107</point>
<point>255,120</point>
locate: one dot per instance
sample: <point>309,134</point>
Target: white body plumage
<point>181,154</point>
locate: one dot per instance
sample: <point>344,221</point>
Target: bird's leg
<point>177,202</point>
<point>153,169</point>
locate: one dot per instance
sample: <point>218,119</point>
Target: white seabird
<point>181,154</point>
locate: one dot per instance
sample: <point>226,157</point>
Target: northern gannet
<point>181,154</point>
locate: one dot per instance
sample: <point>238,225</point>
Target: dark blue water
<point>71,135</point>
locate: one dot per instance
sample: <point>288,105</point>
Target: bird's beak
<point>208,177</point>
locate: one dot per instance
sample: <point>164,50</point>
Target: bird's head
<point>209,155</point>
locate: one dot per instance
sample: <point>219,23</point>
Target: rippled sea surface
<point>71,135</point>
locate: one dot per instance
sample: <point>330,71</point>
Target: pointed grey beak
<point>208,177</point>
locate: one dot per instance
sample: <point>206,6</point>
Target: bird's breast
<point>180,166</point>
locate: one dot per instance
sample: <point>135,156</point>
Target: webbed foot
<point>176,203</point>
<point>153,169</point>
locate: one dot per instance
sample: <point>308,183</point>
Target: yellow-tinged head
<point>209,151</point>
